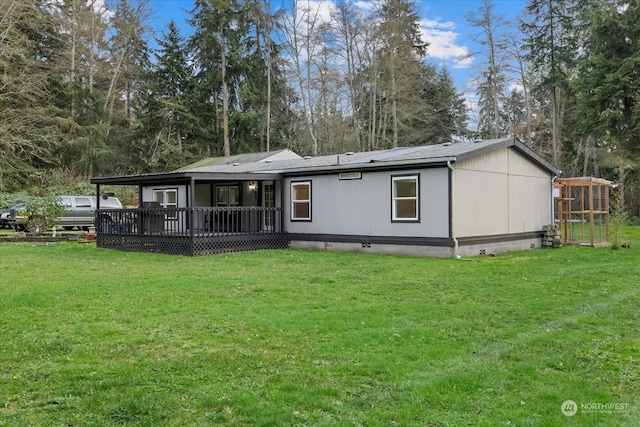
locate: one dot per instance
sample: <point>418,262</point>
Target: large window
<point>227,195</point>
<point>301,201</point>
<point>405,201</point>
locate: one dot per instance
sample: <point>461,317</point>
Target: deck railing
<point>211,221</point>
<point>191,231</point>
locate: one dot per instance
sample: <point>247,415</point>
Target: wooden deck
<point>190,231</point>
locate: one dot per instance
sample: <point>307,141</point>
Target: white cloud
<point>443,42</point>
<point>365,6</point>
<point>316,12</point>
<point>516,87</point>
<point>436,23</point>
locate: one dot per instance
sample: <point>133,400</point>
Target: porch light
<point>252,186</point>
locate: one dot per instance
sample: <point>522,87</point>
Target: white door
<point>268,201</point>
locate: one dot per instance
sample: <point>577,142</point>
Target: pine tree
<point>449,109</point>
<point>82,68</point>
<point>492,81</point>
<point>401,109</point>
<point>608,87</point>
<point>29,131</point>
<point>553,34</point>
<point>220,26</point>
<point>166,117</point>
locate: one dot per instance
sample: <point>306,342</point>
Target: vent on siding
<point>350,175</point>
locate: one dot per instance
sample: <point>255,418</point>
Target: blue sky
<point>443,22</point>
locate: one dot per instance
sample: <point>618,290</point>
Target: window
<point>83,202</point>
<point>66,202</point>
<point>227,195</point>
<point>405,204</point>
<point>167,198</point>
<point>301,201</point>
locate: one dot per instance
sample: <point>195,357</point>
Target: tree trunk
<point>225,95</point>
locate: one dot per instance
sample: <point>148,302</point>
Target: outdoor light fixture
<point>253,186</point>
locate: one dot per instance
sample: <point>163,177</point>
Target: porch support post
<point>190,202</point>
<point>140,205</point>
<point>283,204</point>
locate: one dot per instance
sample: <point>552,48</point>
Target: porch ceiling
<point>184,178</point>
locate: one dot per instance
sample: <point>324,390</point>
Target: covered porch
<point>194,214</point>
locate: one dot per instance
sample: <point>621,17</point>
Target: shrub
<point>618,219</point>
<point>9,199</point>
<point>42,212</point>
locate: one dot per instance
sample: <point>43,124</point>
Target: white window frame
<point>164,192</point>
<point>294,202</point>
<point>395,198</point>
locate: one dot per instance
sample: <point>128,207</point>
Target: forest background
<point>87,88</point>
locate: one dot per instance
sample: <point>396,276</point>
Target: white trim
<point>295,201</point>
<point>394,198</point>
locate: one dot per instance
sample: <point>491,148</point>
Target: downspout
<point>451,206</point>
<point>553,202</point>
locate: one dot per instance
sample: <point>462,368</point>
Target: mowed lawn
<point>94,337</point>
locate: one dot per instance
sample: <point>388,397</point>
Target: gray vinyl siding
<point>502,192</point>
<point>202,195</point>
<point>363,206</point>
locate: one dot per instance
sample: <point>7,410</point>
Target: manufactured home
<point>446,200</point>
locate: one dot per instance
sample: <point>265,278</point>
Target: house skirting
<point>436,247</point>
<point>193,246</point>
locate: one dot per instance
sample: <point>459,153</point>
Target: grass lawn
<point>94,337</point>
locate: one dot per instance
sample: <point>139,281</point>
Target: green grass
<point>95,337</point>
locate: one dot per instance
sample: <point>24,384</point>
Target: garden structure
<point>582,210</point>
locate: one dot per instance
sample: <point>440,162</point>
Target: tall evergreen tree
<point>29,128</point>
<point>259,86</point>
<point>220,26</point>
<point>552,31</point>
<point>402,110</point>
<point>448,109</point>
<point>82,68</point>
<point>166,117</point>
<point>130,59</point>
<point>492,82</point>
<point>608,85</point>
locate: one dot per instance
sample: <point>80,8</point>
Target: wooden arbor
<point>582,210</point>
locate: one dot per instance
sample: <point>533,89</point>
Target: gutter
<point>451,210</point>
<point>380,165</point>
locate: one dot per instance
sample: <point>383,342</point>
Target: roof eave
<point>185,177</point>
<point>378,165</point>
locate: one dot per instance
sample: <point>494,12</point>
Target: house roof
<point>427,154</point>
<point>266,156</point>
<point>245,167</point>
